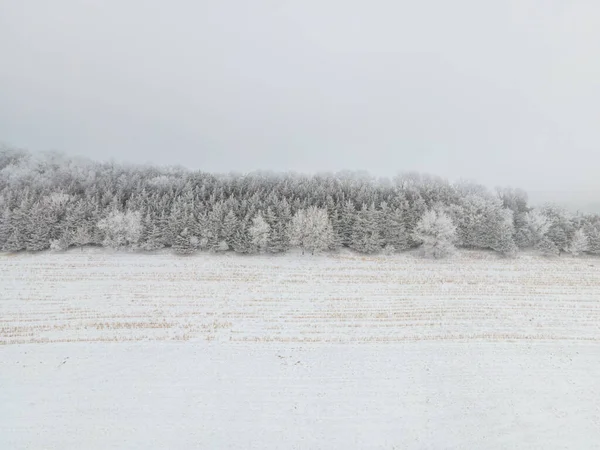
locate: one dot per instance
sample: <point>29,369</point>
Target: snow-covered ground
<point>103,350</point>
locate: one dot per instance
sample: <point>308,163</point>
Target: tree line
<point>51,201</point>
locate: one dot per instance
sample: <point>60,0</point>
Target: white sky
<point>503,92</point>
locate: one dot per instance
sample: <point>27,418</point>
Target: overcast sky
<point>503,92</point>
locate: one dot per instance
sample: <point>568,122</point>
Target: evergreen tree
<point>310,230</point>
<point>17,228</point>
<point>5,228</point>
<point>185,243</point>
<point>592,231</point>
<point>277,232</point>
<point>153,235</point>
<point>365,233</point>
<point>561,229</point>
<point>37,232</point>
<point>346,223</point>
<point>214,226</point>
<point>392,230</point>
<point>547,247</point>
<point>230,226</point>
<point>241,240</point>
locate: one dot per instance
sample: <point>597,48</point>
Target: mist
<point>504,93</point>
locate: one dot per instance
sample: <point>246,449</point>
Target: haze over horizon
<point>503,93</point>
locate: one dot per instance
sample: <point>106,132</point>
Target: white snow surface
<point>136,351</point>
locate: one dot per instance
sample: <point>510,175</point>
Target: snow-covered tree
<point>436,233</point>
<point>121,229</point>
<point>311,230</point>
<point>537,226</point>
<point>278,239</point>
<point>561,230</point>
<point>185,244</point>
<point>49,198</point>
<point>59,245</point>
<point>241,239</point>
<point>579,243</point>
<point>346,223</point>
<point>37,232</point>
<point>547,247</point>
<point>259,233</point>
<point>592,231</point>
<point>365,233</point>
<point>392,230</point>
<point>81,236</point>
<point>230,226</point>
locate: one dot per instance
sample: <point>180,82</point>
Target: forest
<point>52,201</point>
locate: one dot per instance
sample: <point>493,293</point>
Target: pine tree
<point>36,231</point>
<point>392,230</point>
<point>592,231</point>
<point>17,230</point>
<point>81,236</point>
<point>334,219</point>
<point>547,247</point>
<point>185,244</point>
<point>153,236</point>
<point>346,223</point>
<point>241,240</point>
<point>5,228</point>
<point>214,226</point>
<point>365,233</point>
<point>230,225</point>
<point>561,229</point>
<point>500,232</point>
<point>277,234</point>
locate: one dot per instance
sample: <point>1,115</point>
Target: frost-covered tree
<point>230,226</point>
<point>592,231</point>
<point>278,240</point>
<point>59,245</point>
<point>392,230</point>
<point>259,233</point>
<point>561,229</point>
<point>37,233</point>
<point>310,230</point>
<point>5,226</point>
<point>49,198</point>
<point>436,233</point>
<point>365,233</point>
<point>579,243</point>
<point>121,229</point>
<point>346,223</point>
<point>483,222</point>
<point>537,226</point>
<point>185,243</point>
<point>547,247</point>
<point>81,236</point>
<point>214,226</point>
<point>241,241</point>
<point>16,227</point>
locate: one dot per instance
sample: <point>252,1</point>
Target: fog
<point>505,93</point>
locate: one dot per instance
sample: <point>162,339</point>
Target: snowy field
<point>102,350</point>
